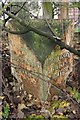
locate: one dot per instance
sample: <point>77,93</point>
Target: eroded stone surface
<point>57,66</point>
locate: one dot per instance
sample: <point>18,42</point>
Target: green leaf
<point>6,111</point>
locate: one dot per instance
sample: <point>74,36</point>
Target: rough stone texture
<point>1,66</point>
<point>24,60</point>
<point>57,66</point>
<point>0,77</point>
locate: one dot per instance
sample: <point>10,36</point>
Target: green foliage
<point>37,117</point>
<point>75,4</point>
<point>56,104</point>
<point>77,30</point>
<point>6,111</point>
<point>75,94</point>
<point>58,117</point>
<point>64,104</point>
<point>59,104</point>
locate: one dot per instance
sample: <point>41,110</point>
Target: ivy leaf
<point>6,111</point>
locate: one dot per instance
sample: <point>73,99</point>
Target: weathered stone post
<point>57,64</point>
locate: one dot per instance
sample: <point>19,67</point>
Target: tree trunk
<point>47,10</point>
<point>64,10</point>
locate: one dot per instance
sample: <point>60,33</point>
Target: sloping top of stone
<point>77,27</point>
<point>39,44</point>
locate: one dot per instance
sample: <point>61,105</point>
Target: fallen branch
<point>15,32</point>
<point>55,39</point>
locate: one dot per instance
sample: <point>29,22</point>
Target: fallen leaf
<point>21,106</point>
